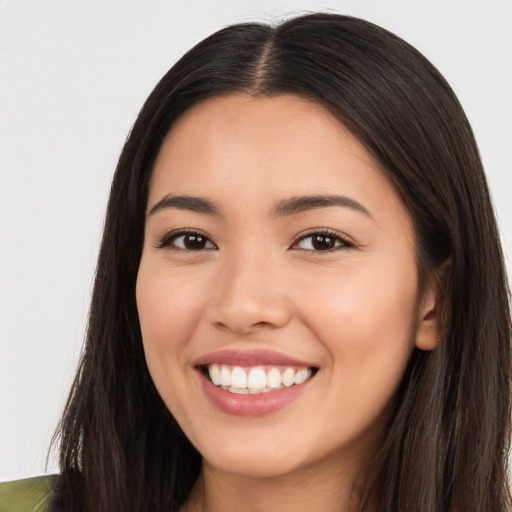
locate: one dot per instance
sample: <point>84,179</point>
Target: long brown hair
<point>446,446</point>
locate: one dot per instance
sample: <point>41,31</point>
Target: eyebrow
<point>300,204</point>
<point>191,203</point>
<point>290,206</point>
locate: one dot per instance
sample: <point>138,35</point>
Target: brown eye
<point>322,242</point>
<point>194,242</point>
<point>187,241</point>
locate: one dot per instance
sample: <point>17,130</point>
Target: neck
<point>326,489</point>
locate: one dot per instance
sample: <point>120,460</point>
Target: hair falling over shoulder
<point>446,444</point>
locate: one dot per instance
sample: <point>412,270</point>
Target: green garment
<point>27,495</point>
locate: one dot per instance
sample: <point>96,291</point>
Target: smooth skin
<point>348,302</point>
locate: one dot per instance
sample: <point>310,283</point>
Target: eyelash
<point>167,240</point>
<point>343,243</point>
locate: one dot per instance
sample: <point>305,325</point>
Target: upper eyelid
<point>165,240</point>
<point>324,231</point>
<point>184,231</point>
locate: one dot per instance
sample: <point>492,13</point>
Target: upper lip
<point>254,357</point>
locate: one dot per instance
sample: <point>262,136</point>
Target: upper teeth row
<point>256,378</point>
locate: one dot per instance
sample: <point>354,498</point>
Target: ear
<point>432,304</point>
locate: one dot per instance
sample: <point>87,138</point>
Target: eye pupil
<point>194,242</point>
<point>322,242</point>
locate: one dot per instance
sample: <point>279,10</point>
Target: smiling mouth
<point>255,379</point>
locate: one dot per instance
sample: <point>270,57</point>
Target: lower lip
<point>251,405</point>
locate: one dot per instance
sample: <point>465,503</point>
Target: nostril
<point>262,324</point>
<point>244,328</point>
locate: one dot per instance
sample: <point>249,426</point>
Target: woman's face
<point>278,262</point>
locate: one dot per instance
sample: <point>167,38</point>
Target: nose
<point>251,296</point>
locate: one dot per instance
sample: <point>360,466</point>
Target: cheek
<point>367,327</point>
<point>361,298</point>
<point>168,308</point>
<point>168,304</point>
<point>367,323</point>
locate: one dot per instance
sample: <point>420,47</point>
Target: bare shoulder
<point>27,495</point>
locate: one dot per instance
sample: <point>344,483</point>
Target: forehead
<point>223,131</point>
<point>239,148</point>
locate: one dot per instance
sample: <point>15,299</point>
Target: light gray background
<point>72,78</point>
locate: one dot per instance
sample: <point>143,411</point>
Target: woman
<point>300,298</point>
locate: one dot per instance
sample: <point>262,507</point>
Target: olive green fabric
<point>27,495</point>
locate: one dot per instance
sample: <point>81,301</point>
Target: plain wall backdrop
<point>72,79</point>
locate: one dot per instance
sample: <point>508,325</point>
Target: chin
<point>252,461</point>
<point>254,468</point>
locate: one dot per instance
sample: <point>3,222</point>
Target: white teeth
<point>257,379</point>
<point>301,376</point>
<point>214,372</point>
<point>237,379</point>
<point>240,391</point>
<point>274,378</point>
<point>225,376</point>
<point>288,377</point>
